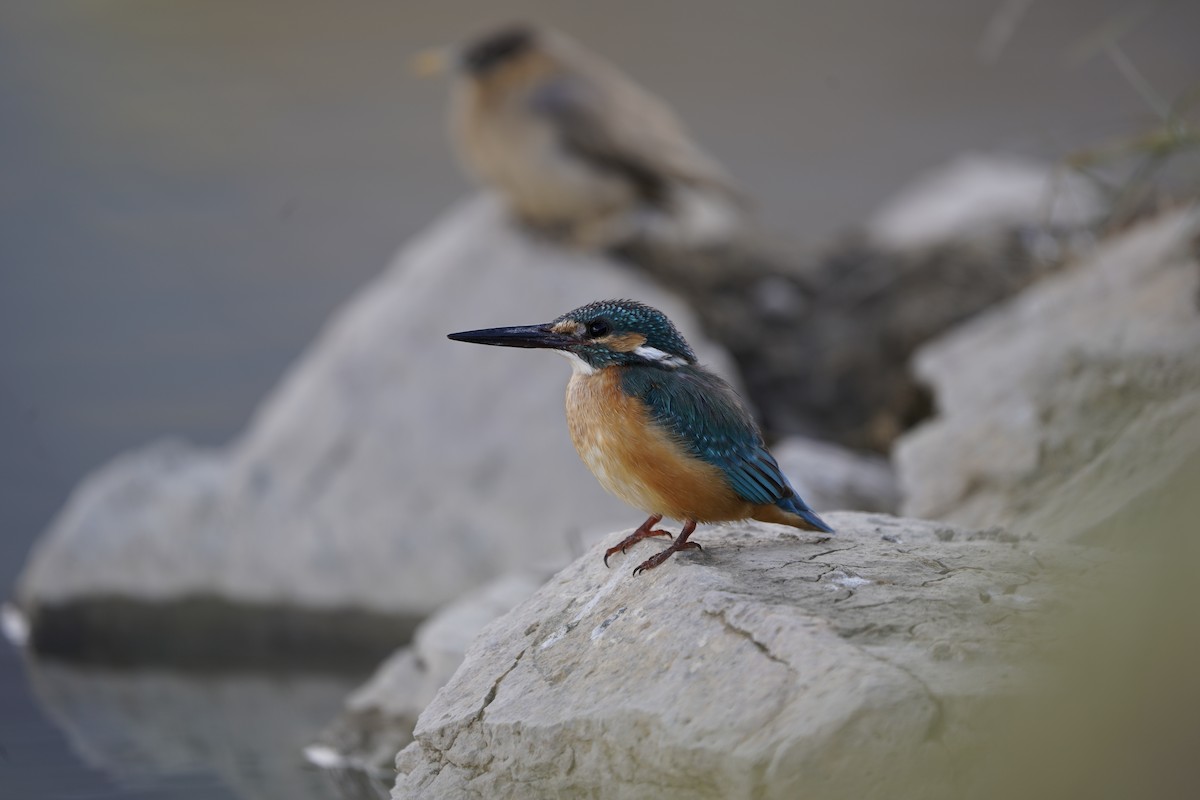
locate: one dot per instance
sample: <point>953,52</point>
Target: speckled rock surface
<point>391,470</point>
<point>772,665</point>
<point>1062,407</point>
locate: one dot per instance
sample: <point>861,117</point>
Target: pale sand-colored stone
<point>772,665</point>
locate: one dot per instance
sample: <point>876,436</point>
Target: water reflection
<point>150,727</point>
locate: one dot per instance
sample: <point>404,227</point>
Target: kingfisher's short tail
<point>797,507</point>
<point>792,511</point>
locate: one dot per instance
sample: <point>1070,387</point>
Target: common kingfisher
<point>656,428</point>
<point>577,148</point>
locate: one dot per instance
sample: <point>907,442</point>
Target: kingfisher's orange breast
<point>640,462</point>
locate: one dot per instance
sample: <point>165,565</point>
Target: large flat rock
<point>391,469</point>
<point>772,665</point>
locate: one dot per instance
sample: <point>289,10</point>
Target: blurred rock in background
<point>1066,405</point>
<point>832,477</point>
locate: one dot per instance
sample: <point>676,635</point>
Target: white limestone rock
<point>1061,407</point>
<point>976,196</point>
<point>391,470</point>
<point>772,665</point>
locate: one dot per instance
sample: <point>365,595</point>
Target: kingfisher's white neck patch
<point>659,357</point>
<point>578,365</point>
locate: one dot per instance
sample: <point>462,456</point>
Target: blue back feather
<point>709,420</point>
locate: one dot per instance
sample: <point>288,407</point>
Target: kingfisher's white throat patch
<point>578,365</point>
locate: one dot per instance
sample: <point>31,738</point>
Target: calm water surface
<point>187,189</point>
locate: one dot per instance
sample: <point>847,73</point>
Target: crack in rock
<point>491,695</point>
<point>950,572</point>
<point>762,648</point>
<point>443,754</point>
<point>815,556</point>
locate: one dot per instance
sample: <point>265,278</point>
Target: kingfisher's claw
<point>645,531</point>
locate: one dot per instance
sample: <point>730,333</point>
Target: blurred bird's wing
<point>576,111</point>
<point>708,419</point>
<point>611,122</point>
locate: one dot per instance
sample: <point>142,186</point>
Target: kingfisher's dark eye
<point>597,328</point>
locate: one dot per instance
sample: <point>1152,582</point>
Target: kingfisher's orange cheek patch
<point>623,342</point>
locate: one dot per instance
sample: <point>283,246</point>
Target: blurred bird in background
<point>577,149</point>
<point>658,430</point>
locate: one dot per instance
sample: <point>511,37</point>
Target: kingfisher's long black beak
<point>540,336</point>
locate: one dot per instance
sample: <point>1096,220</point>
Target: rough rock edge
<point>379,717</point>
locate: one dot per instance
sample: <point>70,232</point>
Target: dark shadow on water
<point>207,633</point>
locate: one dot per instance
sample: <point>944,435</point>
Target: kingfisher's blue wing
<point>708,418</point>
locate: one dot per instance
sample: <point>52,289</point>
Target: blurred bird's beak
<point>533,336</point>
<point>433,61</point>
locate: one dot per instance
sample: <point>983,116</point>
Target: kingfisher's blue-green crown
<point>608,322</point>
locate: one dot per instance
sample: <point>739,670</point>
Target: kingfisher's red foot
<point>681,543</point>
<point>645,531</point>
<point>658,558</point>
